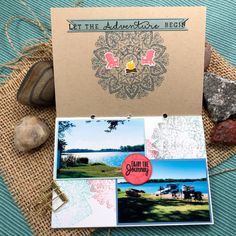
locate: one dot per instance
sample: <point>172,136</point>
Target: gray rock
<point>219,96</point>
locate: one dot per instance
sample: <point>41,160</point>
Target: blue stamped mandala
<point>130,64</point>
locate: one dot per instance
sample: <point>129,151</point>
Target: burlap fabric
<point>27,174</point>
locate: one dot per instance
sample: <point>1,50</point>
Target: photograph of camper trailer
<point>177,192</point>
<point>185,192</point>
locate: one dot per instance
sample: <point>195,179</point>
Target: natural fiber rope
<point>26,50</point>
<point>9,23</point>
<point>37,22</point>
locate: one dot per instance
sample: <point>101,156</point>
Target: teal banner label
<point>127,25</point>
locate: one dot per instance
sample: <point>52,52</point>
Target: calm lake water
<point>154,187</point>
<point>109,158</point>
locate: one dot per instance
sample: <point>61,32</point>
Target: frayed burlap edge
<point>27,174</point>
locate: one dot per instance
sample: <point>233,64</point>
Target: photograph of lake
<point>109,158</point>
<point>96,148</point>
<point>177,191</point>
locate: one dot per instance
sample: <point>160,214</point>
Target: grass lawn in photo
<point>89,170</point>
<point>150,208</point>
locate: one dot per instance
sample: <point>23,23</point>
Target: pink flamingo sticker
<point>148,58</point>
<point>111,61</point>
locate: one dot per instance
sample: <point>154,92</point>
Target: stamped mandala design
<point>102,191</point>
<point>176,137</point>
<point>130,64</point>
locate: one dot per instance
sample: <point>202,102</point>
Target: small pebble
<point>224,133</point>
<point>219,97</point>
<point>37,88</point>
<point>30,133</point>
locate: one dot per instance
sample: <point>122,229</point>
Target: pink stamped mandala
<point>102,190</point>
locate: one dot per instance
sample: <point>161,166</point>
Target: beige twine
<point>26,51</point>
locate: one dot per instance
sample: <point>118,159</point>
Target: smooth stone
<point>37,88</point>
<point>219,96</point>
<point>30,133</point>
<point>207,57</point>
<point>224,133</point>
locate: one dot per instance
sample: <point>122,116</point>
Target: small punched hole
<point>165,116</point>
<point>92,116</point>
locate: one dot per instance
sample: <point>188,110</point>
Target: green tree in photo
<point>63,126</point>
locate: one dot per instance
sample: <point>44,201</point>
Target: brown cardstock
<point>78,93</point>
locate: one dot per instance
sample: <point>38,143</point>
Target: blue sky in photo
<point>178,169</point>
<point>92,136</point>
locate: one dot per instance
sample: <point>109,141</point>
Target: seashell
<point>37,88</point>
<point>30,133</point>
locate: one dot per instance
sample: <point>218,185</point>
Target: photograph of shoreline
<point>96,148</point>
<point>176,192</point>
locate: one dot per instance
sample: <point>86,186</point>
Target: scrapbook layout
<point>129,140</point>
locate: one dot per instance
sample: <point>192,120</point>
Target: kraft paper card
<point>128,61</point>
<point>129,138</point>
